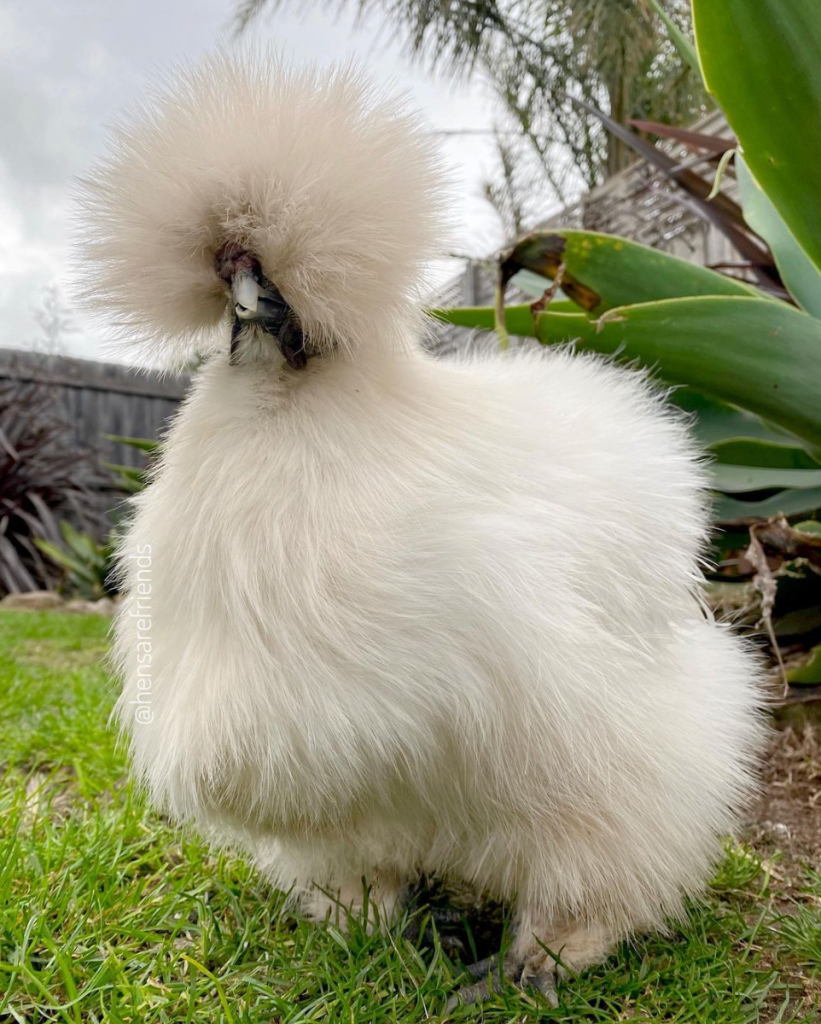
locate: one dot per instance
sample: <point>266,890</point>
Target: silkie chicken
<point>388,615</point>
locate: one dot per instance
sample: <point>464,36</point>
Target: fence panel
<point>101,398</point>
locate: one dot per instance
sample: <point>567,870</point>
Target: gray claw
<point>468,994</point>
<point>493,974</point>
<point>544,981</point>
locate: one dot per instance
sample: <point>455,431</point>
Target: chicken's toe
<point>535,974</point>
<point>492,972</point>
<point>541,977</point>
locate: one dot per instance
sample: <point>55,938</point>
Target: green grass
<point>109,914</point>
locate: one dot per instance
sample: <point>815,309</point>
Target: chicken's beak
<point>245,293</point>
<point>260,302</point>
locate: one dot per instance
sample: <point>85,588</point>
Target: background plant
<point>45,476</point>
<point>87,563</point>
<point>131,479</point>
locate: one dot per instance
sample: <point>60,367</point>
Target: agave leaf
<point>129,486</point>
<point>787,503</point>
<point>603,271</point>
<point>799,273</point>
<point>129,471</point>
<point>63,559</point>
<point>81,544</point>
<point>85,575</point>
<point>55,553</point>
<point>129,478</point>
<point>762,356</point>
<point>717,423</point>
<point>735,434</point>
<point>519,319</point>
<point>761,62</point>
<point>753,452</point>
<point>733,479</point>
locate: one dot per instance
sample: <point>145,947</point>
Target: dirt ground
<point>784,827</point>
<point>787,815</point>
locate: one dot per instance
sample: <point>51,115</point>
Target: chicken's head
<point>246,194</point>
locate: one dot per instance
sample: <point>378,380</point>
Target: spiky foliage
<point>614,53</point>
<point>87,565</point>
<point>45,476</point>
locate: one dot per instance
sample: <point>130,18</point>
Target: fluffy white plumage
<point>403,615</point>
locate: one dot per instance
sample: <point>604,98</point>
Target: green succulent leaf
<point>750,451</point>
<point>82,544</point>
<point>602,271</point>
<point>798,272</point>
<point>129,478</point>
<point>760,59</point>
<point>762,356</point>
<point>741,479</point>
<point>786,503</point>
<point>519,319</point>
<point>75,567</point>
<point>718,423</point>
<point>57,554</point>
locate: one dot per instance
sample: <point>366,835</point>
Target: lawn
<point>107,913</point>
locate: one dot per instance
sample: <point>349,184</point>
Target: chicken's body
<point>408,615</point>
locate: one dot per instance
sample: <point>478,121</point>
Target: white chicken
<point>385,614</point>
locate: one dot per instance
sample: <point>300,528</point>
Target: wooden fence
<point>96,399</point>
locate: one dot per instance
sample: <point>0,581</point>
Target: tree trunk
<point>619,155</point>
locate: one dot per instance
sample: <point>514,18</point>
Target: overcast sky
<point>67,67</point>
